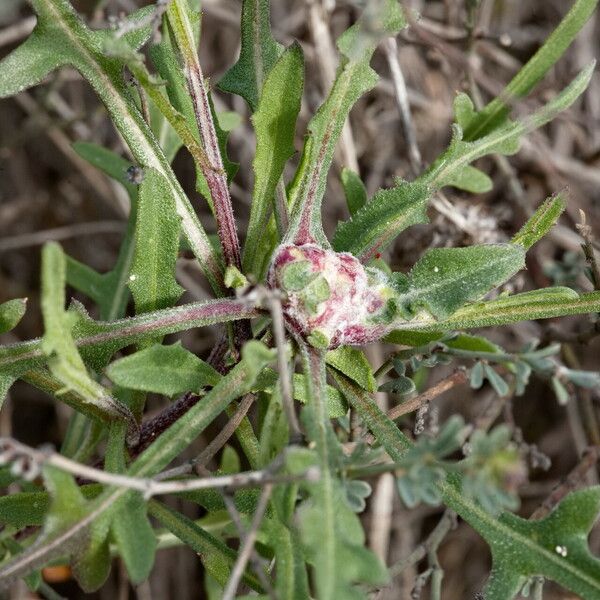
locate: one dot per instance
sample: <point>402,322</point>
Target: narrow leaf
<point>274,123</point>
<point>354,364</point>
<point>354,78</point>
<point>152,278</point>
<point>375,226</point>
<point>58,344</point>
<point>354,190</point>
<point>134,537</point>
<point>555,45</point>
<point>541,222</point>
<point>504,140</point>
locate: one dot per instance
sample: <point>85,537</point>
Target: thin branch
<point>457,378</point>
<point>28,462</point>
<point>588,249</point>
<point>273,299</point>
<point>391,52</point>
<point>36,238</point>
<point>431,544</point>
<point>215,445</point>
<point>248,542</point>
<point>588,460</point>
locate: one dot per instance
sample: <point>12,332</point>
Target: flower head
<point>331,299</point>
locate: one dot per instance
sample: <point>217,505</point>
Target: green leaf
<point>258,54</point>
<point>91,558</point>
<point>354,190</point>
<point>537,304</point>
<point>108,162</point>
<point>354,364</point>
<point>167,370</point>
<point>554,547</point>
<point>64,360</point>
<point>354,78</point>
<point>98,341</point>
<point>29,508</point>
<point>449,168</point>
<point>446,278</point>
<point>217,558</point>
<point>68,39</point>
<point>32,61</point>
<point>495,113</point>
<point>275,124</point>
<point>11,313</point>
<point>152,278</point>
<point>520,548</point>
<point>336,405</point>
<point>541,222</point>
<point>375,226</point>
<point>109,290</point>
<point>239,381</point>
<point>134,537</point>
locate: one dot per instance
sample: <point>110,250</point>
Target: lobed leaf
<point>66,36</point>
<point>494,114</point>
<point>354,78</point>
<point>258,54</point>
<point>449,168</point>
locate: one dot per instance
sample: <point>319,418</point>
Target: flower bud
<point>331,299</point>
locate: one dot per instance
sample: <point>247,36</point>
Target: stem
<point>247,545</point>
<point>214,173</point>
<point>115,335</point>
<point>99,71</point>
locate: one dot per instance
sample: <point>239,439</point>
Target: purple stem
<point>215,175</point>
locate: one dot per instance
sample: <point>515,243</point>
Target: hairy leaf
<point>445,279</point>
<point>354,78</point>
<point>274,123</point>
<point>109,290</point>
<point>11,313</point>
<point>217,557</point>
<point>541,222</point>
<point>168,370</point>
<point>152,278</point>
<point>373,227</point>
<point>134,537</point>
<point>58,344</point>
<point>495,113</point>
<point>258,54</point>
<point>448,169</point>
<point>66,37</point>
<point>354,364</point>
<point>99,340</point>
